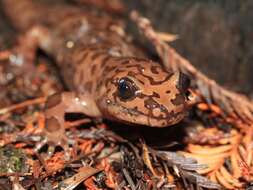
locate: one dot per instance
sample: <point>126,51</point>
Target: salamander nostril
<point>183,82</point>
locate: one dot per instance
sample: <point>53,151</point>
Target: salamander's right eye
<point>126,89</point>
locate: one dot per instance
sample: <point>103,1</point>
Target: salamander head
<point>142,92</point>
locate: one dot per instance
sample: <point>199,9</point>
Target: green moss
<point>12,160</point>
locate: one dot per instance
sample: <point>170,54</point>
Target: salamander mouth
<point>135,116</point>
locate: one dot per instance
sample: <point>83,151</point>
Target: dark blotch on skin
<point>178,100</point>
<point>139,59</point>
<point>151,104</point>
<point>109,68</point>
<point>53,100</point>
<point>156,95</point>
<point>124,62</point>
<point>83,57</point>
<point>153,82</point>
<point>154,69</point>
<point>141,95</point>
<point>104,61</point>
<point>131,74</point>
<point>93,69</point>
<point>97,55</point>
<point>52,124</point>
<point>93,48</point>
<point>88,86</point>
<point>81,77</point>
<point>174,115</point>
<point>108,90</point>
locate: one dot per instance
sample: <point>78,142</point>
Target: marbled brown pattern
<point>93,58</point>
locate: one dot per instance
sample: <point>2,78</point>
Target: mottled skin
<point>95,58</point>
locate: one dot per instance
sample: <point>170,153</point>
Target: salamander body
<point>107,76</point>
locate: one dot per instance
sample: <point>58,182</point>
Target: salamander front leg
<point>56,107</point>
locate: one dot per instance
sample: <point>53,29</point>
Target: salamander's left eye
<point>126,89</point>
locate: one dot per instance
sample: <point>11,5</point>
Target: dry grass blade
<point>224,172</point>
<point>208,151</point>
<point>83,174</point>
<point>232,103</point>
<point>184,163</point>
<point>187,168</point>
<point>167,37</point>
<point>147,160</point>
<point>200,180</point>
<point>229,165</point>
<point>129,179</point>
<point>17,186</point>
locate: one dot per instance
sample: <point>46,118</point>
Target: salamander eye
<point>126,89</point>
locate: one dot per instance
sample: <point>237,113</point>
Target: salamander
<point>107,76</point>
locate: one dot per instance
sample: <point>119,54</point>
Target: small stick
<point>11,108</point>
<point>69,124</point>
<point>15,174</point>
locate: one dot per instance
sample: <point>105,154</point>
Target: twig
<point>70,124</point>
<point>40,100</point>
<point>129,179</point>
<point>234,104</point>
<point>15,174</point>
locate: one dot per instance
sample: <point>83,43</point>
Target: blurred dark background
<point>215,35</point>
